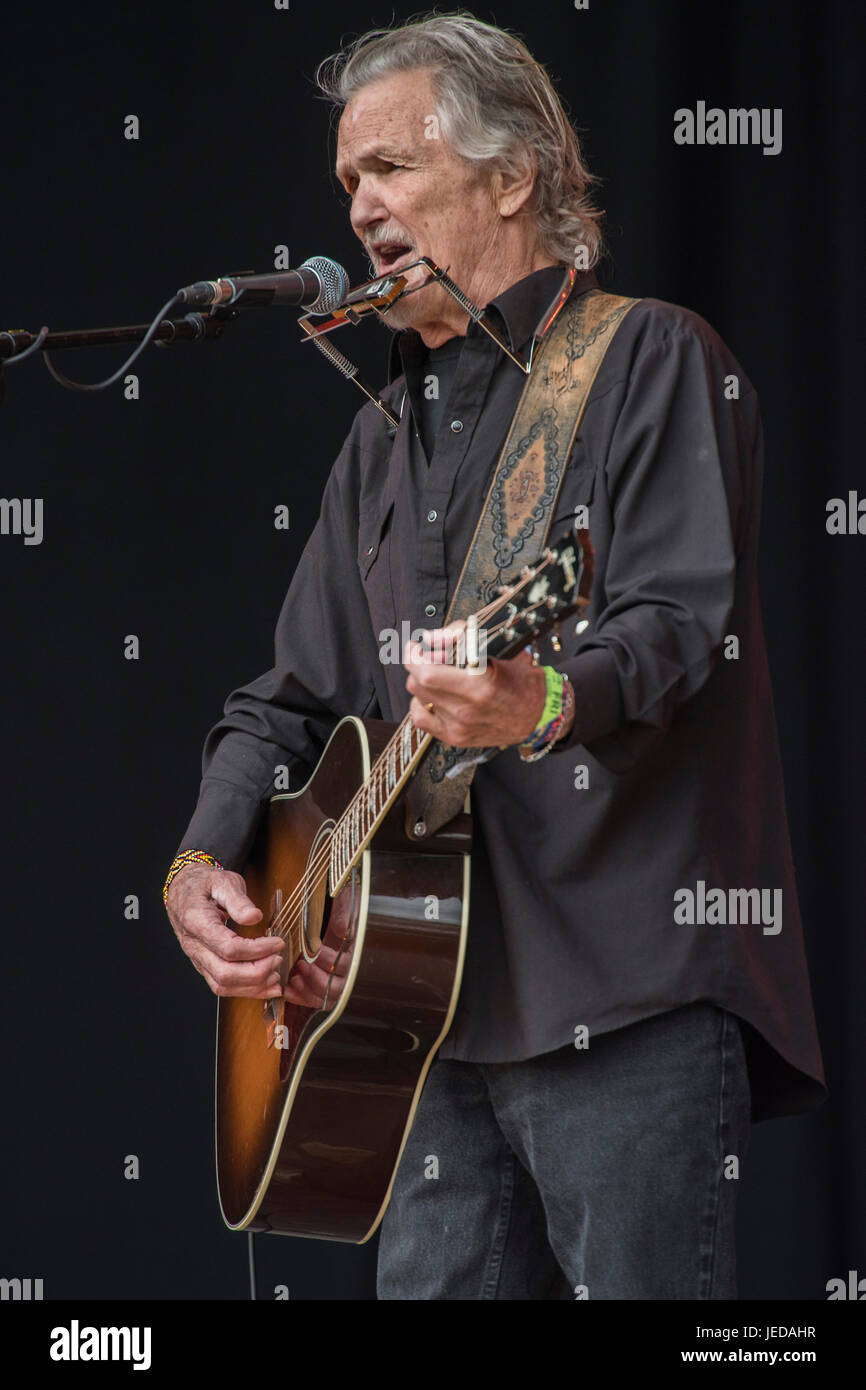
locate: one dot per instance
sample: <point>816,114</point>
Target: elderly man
<point>590,1106</point>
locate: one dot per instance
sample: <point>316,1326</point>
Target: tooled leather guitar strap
<point>519,509</point>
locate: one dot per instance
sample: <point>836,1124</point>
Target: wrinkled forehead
<point>391,112</point>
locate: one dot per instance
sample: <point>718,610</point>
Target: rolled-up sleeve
<point>323,670</point>
<point>682,462</point>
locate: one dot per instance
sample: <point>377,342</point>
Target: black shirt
<point>574,916</point>
<point>438,375</point>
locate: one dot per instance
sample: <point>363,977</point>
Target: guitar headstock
<point>541,597</point>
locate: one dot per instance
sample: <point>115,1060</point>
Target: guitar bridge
<point>276,1008</point>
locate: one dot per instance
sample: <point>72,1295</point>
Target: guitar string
<point>317,871</point>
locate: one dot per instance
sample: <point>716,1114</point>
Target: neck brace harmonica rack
<point>378,296</point>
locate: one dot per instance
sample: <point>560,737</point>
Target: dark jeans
<point>597,1173</point>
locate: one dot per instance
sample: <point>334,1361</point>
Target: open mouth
<point>390,254</point>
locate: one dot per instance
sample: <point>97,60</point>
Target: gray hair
<point>496,106</point>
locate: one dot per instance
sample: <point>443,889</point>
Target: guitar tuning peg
<point>534,652</point>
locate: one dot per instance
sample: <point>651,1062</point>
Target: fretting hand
<point>497,704</point>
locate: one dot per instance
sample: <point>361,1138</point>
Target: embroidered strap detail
<point>519,509</point>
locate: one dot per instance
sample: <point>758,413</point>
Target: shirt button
<point>431,516</point>
<point>456,426</point>
<point>430,610</point>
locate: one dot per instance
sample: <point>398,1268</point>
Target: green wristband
<point>553,699</point>
<point>552,711</point>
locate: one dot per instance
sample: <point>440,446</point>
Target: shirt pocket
<point>374,563</point>
<point>577,492</point>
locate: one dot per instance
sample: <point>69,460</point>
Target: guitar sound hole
<point>317,900</point>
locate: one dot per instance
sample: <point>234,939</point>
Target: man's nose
<point>368,207</point>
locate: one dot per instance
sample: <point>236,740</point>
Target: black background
<point>159,522</point>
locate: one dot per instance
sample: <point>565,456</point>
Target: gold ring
<point>430,708</point>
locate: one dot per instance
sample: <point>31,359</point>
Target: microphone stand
<point>194,327</point>
<point>191,328</point>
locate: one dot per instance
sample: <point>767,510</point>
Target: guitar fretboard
<point>374,799</point>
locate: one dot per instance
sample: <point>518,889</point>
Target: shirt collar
<point>521,309</point>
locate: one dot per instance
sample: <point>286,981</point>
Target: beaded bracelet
<point>557,708</point>
<point>568,706</point>
<point>188,856</point>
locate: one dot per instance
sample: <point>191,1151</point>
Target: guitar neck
<point>374,799</point>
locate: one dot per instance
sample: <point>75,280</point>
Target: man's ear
<point>513,188</point>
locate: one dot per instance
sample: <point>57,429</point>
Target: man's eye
<point>351,184</point>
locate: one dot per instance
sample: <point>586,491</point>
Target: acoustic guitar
<point>314,1103</point>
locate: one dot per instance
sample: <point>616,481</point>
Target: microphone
<point>319,285</point>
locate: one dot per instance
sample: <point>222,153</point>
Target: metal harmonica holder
<point>377,296</point>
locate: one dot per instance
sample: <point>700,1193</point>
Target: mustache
<point>393,236</point>
<point>388,233</point>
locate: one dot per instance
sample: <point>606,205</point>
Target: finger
<point>312,987</point>
<point>302,988</point>
<point>421,717</point>
<point>329,961</point>
<point>445,643</point>
<point>206,925</point>
<point>311,979</point>
<point>439,645</point>
<point>333,958</point>
<point>238,979</point>
<point>437,683</point>
<point>228,889</point>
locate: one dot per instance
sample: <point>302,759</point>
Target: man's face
<point>412,196</point>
